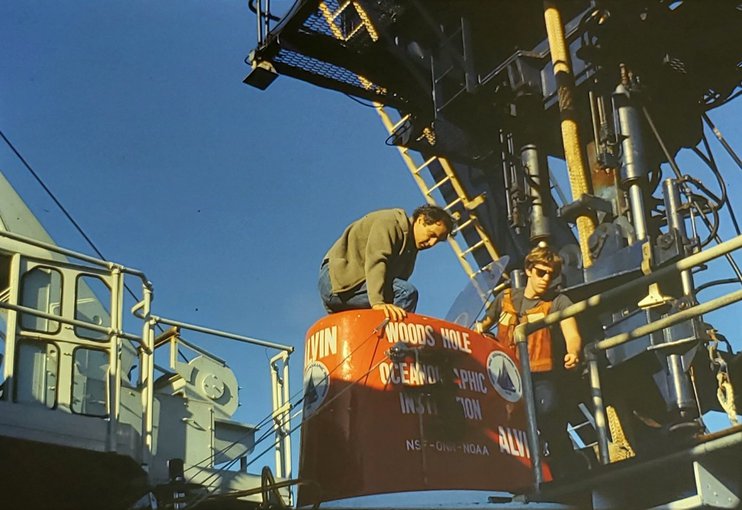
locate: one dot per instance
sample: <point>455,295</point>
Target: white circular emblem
<point>316,386</point>
<point>504,376</point>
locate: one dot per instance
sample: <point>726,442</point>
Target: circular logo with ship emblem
<point>316,386</point>
<point>504,376</point>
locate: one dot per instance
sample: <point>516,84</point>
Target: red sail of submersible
<point>422,404</point>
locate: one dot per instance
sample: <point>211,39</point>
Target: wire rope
<point>722,140</point>
<point>679,175</point>
<point>376,331</point>
<point>61,207</point>
<point>304,420</point>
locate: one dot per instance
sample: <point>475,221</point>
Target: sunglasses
<point>541,273</point>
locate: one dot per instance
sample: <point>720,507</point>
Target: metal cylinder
<point>518,279</point>
<point>601,422</point>
<point>683,399</point>
<point>676,222</point>
<point>534,444</point>
<point>682,392</point>
<point>634,166</point>
<point>538,190</point>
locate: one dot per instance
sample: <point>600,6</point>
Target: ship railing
<point>279,369</point>
<point>591,350</point>
<point>18,246</point>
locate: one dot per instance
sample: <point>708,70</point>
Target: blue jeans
<point>401,293</point>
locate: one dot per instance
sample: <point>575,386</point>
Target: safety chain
<point>725,391</point>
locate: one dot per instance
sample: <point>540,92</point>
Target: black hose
<point>679,175</point>
<point>714,283</point>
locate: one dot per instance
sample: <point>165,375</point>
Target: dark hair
<point>433,214</point>
<point>546,256</point>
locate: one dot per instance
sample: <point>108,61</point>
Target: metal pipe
<point>287,403</point>
<point>600,299</point>
<point>638,212</point>
<point>176,339</point>
<point>114,363</point>
<point>519,278</point>
<point>679,175</point>
<point>147,376</point>
<point>258,17</point>
<point>11,327</point>
<point>281,413</point>
<point>108,331</point>
<point>612,476</point>
<point>683,392</point>
<point>676,222</point>
<point>532,421</point>
<point>538,190</point>
<point>523,330</point>
<point>224,334</point>
<point>599,413</point>
<point>80,256</point>
<point>668,321</point>
<point>634,169</point>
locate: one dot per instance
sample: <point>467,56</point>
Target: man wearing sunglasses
<point>553,356</point>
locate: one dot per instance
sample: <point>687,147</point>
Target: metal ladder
<point>583,434</point>
<point>468,223</point>
<point>465,215</point>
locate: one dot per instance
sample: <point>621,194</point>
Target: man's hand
<point>571,360</point>
<point>391,312</point>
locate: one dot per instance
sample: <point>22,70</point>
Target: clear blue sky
<point>135,115</point>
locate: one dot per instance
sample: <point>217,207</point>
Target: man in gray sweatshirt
<point>368,266</point>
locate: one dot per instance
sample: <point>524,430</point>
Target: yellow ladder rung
<point>353,32</point>
<point>476,202</point>
<point>340,10</point>
<point>473,247</point>
<point>457,201</point>
<point>467,214</point>
<point>424,165</point>
<point>399,123</point>
<point>462,226</point>
<point>439,184</point>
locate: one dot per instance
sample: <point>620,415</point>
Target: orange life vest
<point>539,342</point>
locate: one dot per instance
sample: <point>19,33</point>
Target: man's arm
<point>380,248</point>
<point>491,315</point>
<point>484,325</point>
<point>573,341</point>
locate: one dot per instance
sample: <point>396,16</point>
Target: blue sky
<point>135,115</point>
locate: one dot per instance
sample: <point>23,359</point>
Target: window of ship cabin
<point>41,289</point>
<point>89,375</point>
<point>36,372</point>
<point>92,301</point>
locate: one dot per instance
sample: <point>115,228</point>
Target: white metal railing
<point>19,248</point>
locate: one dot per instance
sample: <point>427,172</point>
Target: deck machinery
<point>486,102</point>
